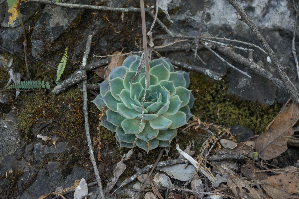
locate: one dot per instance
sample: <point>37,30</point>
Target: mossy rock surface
<point>214,105</point>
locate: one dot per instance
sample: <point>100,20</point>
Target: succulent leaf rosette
<point>166,107</point>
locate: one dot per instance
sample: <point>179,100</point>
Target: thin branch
<point>147,168</point>
<point>256,68</point>
<point>200,29</point>
<point>293,41</point>
<point>227,45</point>
<point>156,14</point>
<point>236,156</point>
<point>78,76</point>
<point>237,41</point>
<point>208,72</point>
<point>94,164</point>
<point>118,55</point>
<point>149,175</point>
<point>287,82</point>
<point>25,40</point>
<point>225,60</point>
<point>147,74</point>
<point>205,171</point>
<point>70,5</point>
<point>160,23</point>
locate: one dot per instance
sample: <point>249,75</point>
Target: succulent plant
<point>166,108</point>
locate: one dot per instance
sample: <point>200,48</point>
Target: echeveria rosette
<point>167,105</point>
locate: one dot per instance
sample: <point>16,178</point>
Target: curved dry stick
<point>94,164</point>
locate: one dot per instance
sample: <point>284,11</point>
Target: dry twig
<point>86,116</point>
<point>78,76</point>
<point>294,36</point>
<point>70,5</point>
<point>149,175</point>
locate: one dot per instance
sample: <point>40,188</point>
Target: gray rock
<point>11,34</point>
<point>40,150</point>
<point>47,181</point>
<point>53,21</point>
<point>4,185</point>
<point>28,154</point>
<point>243,134</point>
<point>27,177</point>
<point>55,177</point>
<point>11,165</point>
<point>77,174</point>
<point>275,21</point>
<point>39,187</point>
<point>9,135</point>
<point>179,171</point>
<point>4,97</point>
<point>28,9</point>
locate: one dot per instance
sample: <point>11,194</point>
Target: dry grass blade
<point>273,141</point>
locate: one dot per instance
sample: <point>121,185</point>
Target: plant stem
<point>147,74</point>
<point>24,33</point>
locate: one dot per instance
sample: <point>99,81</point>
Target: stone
<point>40,150</point>
<point>179,171</point>
<point>53,21</point>
<point>39,187</point>
<point>150,195</point>
<point>162,180</point>
<point>243,134</point>
<point>9,135</point>
<point>27,177</point>
<point>77,174</point>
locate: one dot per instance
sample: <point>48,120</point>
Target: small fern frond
<point>61,66</point>
<point>30,85</point>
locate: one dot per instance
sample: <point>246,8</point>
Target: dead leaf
<point>43,196</point>
<point>155,190</point>
<point>115,61</point>
<point>143,178</point>
<point>101,72</point>
<point>119,169</point>
<point>285,181</point>
<point>276,193</point>
<point>149,195</point>
<point>250,172</point>
<point>241,188</point>
<point>273,141</point>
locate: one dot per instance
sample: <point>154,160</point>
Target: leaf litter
<point>260,181</point>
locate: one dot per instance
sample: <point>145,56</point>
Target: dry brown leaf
<point>251,172</point>
<point>115,61</point>
<point>241,188</point>
<point>155,190</point>
<point>43,196</point>
<point>100,72</point>
<point>120,168</point>
<point>273,141</point>
<point>285,181</point>
<point>276,193</point>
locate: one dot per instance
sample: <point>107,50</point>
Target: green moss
<point>214,105</point>
<point>65,109</point>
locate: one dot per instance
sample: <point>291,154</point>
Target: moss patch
<point>64,109</point>
<point>214,105</point>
